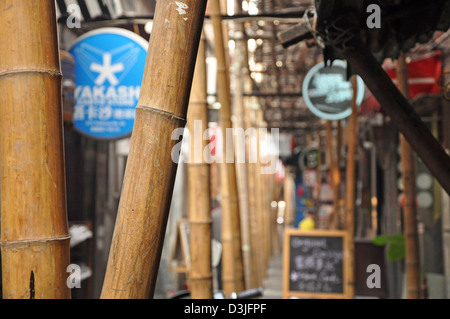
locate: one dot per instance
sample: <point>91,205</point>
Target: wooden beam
<point>400,111</point>
<point>350,190</point>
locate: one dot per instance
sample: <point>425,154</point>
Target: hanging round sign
<point>309,158</point>
<point>327,93</point>
<point>109,65</point>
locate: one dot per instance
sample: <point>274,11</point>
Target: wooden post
<point>335,176</point>
<point>198,176</point>
<point>150,172</point>
<point>232,265</point>
<point>409,193</point>
<point>401,112</point>
<point>34,229</point>
<point>341,218</point>
<point>319,180</point>
<point>350,191</point>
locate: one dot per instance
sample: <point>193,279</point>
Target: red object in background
<point>300,191</point>
<point>423,77</point>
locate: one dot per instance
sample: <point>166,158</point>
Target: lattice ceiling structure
<point>279,89</point>
<point>277,72</point>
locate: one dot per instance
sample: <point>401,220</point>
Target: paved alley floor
<point>273,283</point>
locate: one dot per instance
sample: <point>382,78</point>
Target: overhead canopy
<point>404,23</point>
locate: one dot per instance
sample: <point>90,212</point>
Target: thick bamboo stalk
<point>150,172</point>
<point>198,176</point>
<point>409,193</point>
<point>350,191</point>
<point>232,263</point>
<point>401,112</point>
<point>241,166</point>
<point>34,230</point>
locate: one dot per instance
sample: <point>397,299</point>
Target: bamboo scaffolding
<point>241,164</point>
<point>288,196</point>
<point>260,208</point>
<point>150,172</point>
<point>276,197</point>
<point>34,229</point>
<point>232,265</point>
<point>400,111</point>
<point>409,193</point>
<point>198,176</point>
<point>350,191</point>
<point>253,202</point>
<point>261,197</point>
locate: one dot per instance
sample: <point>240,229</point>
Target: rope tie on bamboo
<point>18,71</point>
<point>26,242</point>
<point>169,115</point>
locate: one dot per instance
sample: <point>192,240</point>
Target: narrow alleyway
<point>273,283</point>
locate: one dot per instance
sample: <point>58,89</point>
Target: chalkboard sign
<point>314,264</point>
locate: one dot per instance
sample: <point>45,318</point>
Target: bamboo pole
<point>253,202</point>
<point>260,207</point>
<point>262,194</point>
<point>34,229</point>
<point>350,191</point>
<point>288,195</point>
<point>400,111</point>
<point>198,176</point>
<point>150,172</point>
<point>232,267</point>
<point>409,193</point>
<point>241,165</point>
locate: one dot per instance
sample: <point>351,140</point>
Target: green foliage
<point>396,245</point>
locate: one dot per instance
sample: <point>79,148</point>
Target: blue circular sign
<point>327,93</point>
<point>109,65</point>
